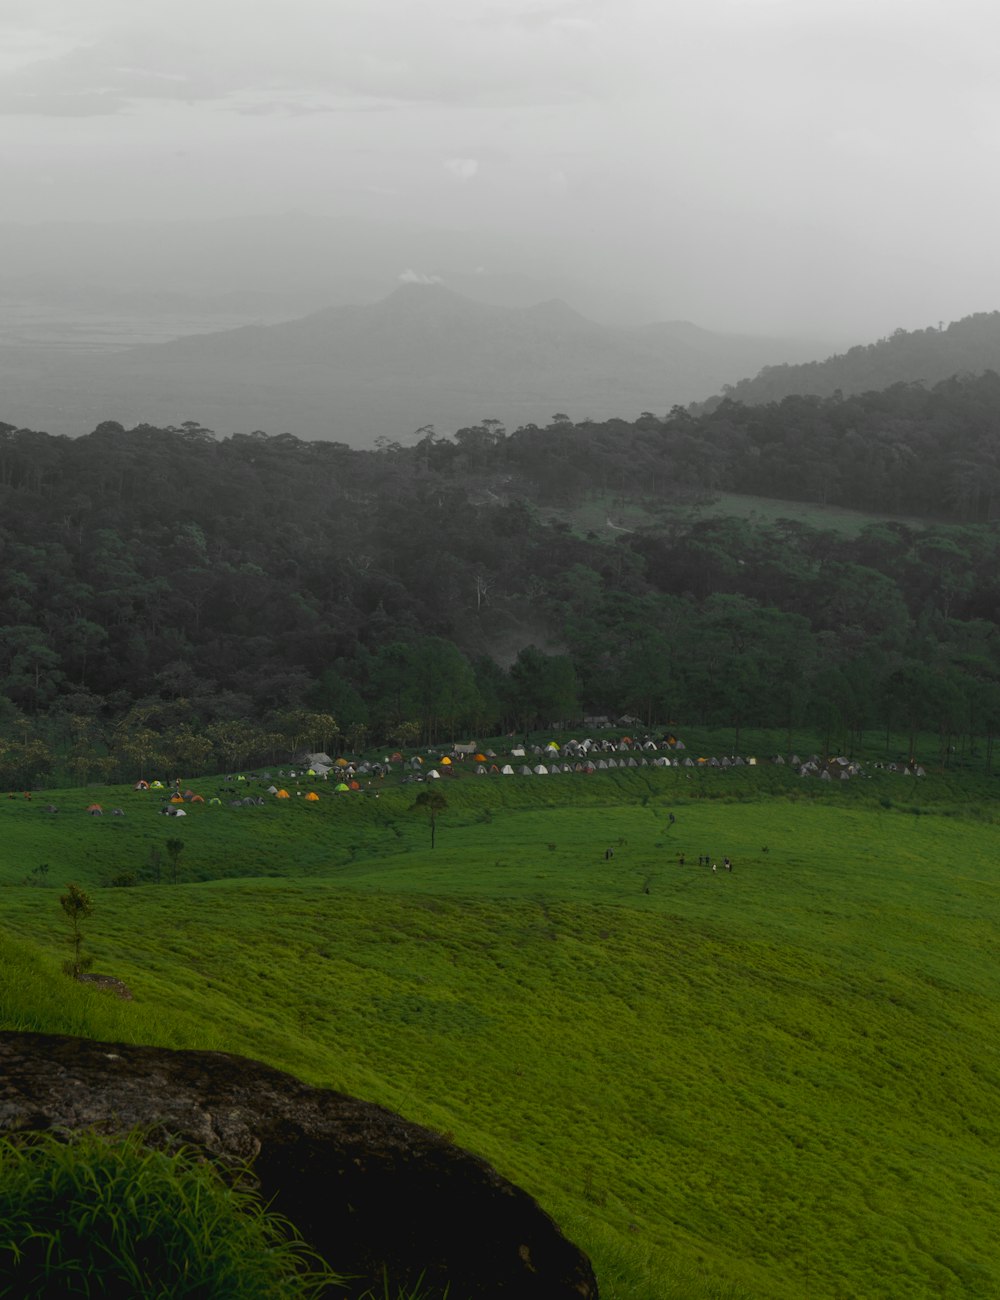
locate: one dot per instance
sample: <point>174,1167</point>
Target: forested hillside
<point>967,346</point>
<point>168,594</point>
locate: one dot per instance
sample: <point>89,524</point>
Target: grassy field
<point>780,1082</point>
<point>596,513</point>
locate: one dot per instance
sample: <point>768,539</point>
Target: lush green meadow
<point>780,1082</point>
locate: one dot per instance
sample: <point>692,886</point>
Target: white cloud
<point>64,58</point>
<point>463,168</point>
<point>409,276</point>
<point>702,146</point>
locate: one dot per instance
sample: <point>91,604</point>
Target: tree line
<point>173,599</point>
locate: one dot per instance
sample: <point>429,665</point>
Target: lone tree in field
<point>174,849</point>
<point>431,802</point>
<point>77,905</point>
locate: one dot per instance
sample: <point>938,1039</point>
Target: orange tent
<point>282,794</point>
<point>312,797</point>
<point>196,798</point>
<point>175,798</point>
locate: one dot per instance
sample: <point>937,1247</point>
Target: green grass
<point>777,1083</point>
<point>768,510</point>
<point>594,513</point>
<point>99,1217</point>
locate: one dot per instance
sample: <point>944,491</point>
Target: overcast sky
<point>823,165</point>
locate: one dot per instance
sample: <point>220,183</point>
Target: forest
<point>173,596</point>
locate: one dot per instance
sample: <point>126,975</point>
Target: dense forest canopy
<point>167,595</point>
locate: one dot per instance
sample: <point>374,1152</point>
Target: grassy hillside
<point>776,1082</point>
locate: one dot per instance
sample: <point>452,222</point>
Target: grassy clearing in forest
<point>595,513</point>
<point>777,1082</point>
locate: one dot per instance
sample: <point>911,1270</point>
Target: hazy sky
<point>771,164</point>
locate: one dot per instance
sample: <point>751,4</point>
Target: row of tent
<point>552,768</point>
<point>581,748</point>
<point>583,752</point>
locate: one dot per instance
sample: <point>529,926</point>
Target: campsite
<point>773,1081</point>
<point>499,651</point>
<point>492,908</point>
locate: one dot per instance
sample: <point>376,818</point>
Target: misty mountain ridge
<point>967,346</point>
<point>312,260</point>
<point>421,355</point>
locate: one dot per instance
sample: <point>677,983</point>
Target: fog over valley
<point>758,170</point>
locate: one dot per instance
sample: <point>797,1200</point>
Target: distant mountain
<point>423,355</point>
<point>967,346</point>
<point>311,259</point>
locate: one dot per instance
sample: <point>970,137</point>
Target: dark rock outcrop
<point>107,983</point>
<point>364,1187</point>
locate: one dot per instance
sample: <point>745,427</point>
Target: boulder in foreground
<point>366,1188</point>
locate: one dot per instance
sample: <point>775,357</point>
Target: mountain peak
<point>555,311</point>
<point>433,301</point>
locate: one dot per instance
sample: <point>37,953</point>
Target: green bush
<point>110,1218</point>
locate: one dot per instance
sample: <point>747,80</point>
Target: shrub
<point>77,906</point>
<point>110,1217</point>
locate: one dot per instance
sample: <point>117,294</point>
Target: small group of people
<point>706,860</point>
